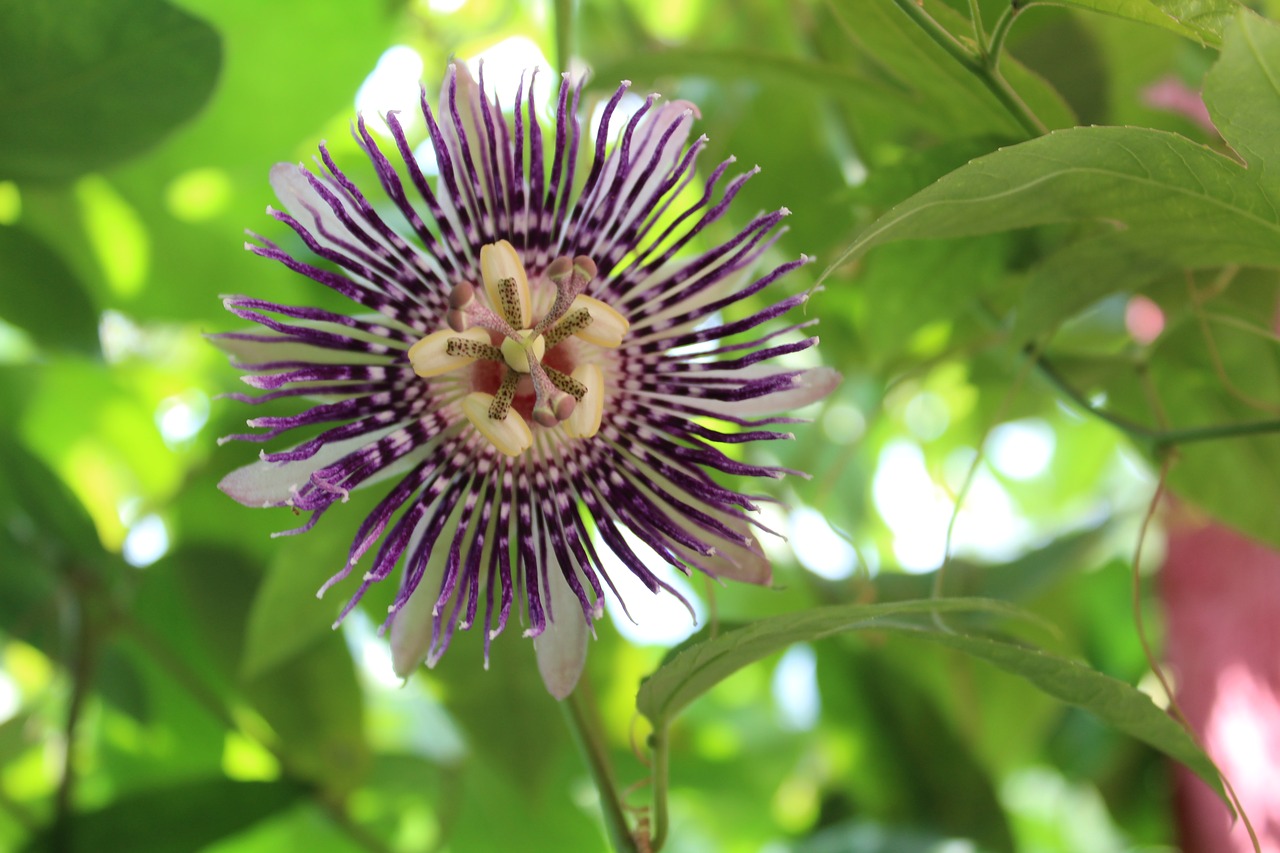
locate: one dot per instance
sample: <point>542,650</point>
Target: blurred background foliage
<point>168,680</point>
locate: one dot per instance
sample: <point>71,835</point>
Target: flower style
<point>537,373</point>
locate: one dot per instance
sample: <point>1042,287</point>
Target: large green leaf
<point>1113,701</point>
<point>174,819</point>
<point>285,618</point>
<point>919,767</point>
<point>1147,202</point>
<point>1203,20</point>
<point>314,704</point>
<point>699,667</point>
<point>87,83</point>
<point>42,295</point>
<point>931,81</point>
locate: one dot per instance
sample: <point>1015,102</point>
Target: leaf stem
<point>978,64</point>
<point>581,714</point>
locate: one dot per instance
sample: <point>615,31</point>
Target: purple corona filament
<point>529,373</point>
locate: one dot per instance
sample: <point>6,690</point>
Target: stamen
<point>510,435</point>
<point>501,404</point>
<point>475,314</point>
<point>575,321</point>
<point>566,383</point>
<point>570,278</point>
<point>445,351</point>
<point>472,348</point>
<point>551,405</point>
<point>510,302</point>
<point>500,267</point>
<point>607,327</point>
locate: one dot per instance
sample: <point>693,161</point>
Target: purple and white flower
<point>536,371</point>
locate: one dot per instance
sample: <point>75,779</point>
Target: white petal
<point>412,625</point>
<point>561,649</point>
<point>300,199</point>
<point>274,483</point>
<point>262,352</point>
<point>731,283</point>
<point>645,140</point>
<point>746,564</point>
<point>732,560</point>
<point>808,387</point>
<point>471,118</point>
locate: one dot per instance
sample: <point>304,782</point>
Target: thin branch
<point>975,17</point>
<point>1157,439</point>
<point>977,65</point>
<point>1152,662</point>
<point>659,743</point>
<point>940,576</point>
<point>82,668</point>
<point>583,717</point>
<point>999,33</point>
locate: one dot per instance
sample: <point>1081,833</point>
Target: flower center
<point>572,400</point>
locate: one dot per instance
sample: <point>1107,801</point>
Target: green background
<point>168,680</point>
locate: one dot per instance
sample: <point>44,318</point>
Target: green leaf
<point>698,668</point>
<point>175,819</point>
<point>286,618</point>
<point>1242,92</point>
<point>933,81</point>
<point>85,84</point>
<point>917,767</point>
<point>1165,202</point>
<point>43,296</point>
<point>695,670</point>
<point>1148,202</point>
<point>1202,20</point>
<point>1116,703</point>
<point>314,704</point>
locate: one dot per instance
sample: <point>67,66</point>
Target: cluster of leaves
<point>982,245</point>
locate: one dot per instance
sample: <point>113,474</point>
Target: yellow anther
<point>584,421</point>
<point>429,356</point>
<point>607,327</point>
<point>511,435</point>
<point>500,262</point>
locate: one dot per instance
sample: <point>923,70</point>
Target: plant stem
<point>580,711</point>
<point>661,818</point>
<point>81,680</point>
<point>978,65</point>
